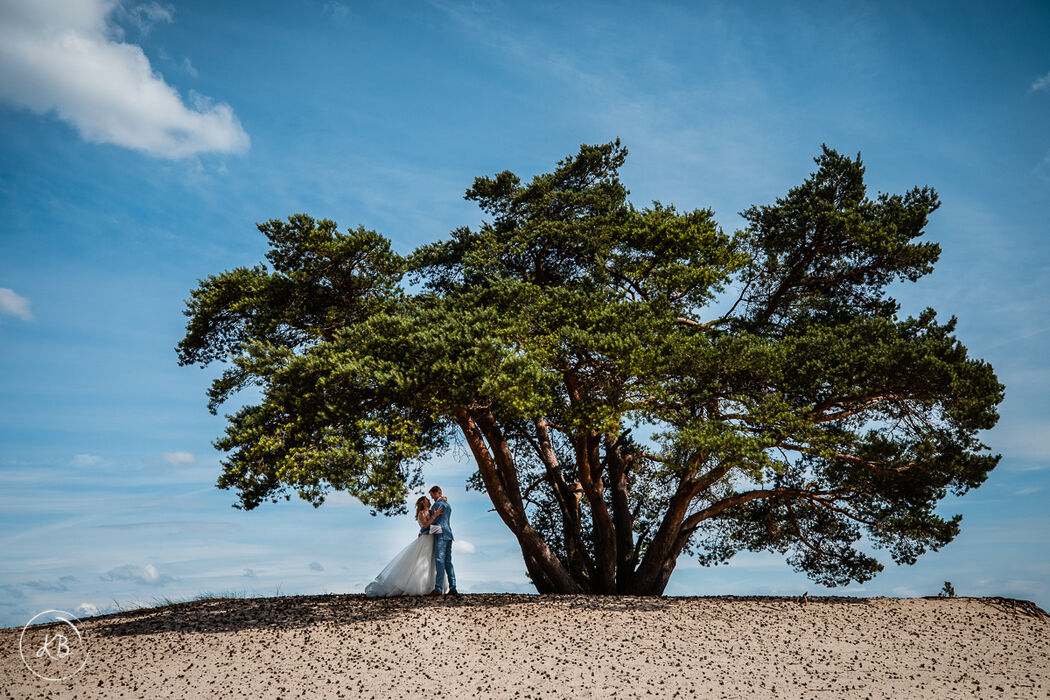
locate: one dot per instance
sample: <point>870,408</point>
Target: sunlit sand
<point>557,646</point>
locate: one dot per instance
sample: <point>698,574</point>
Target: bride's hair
<point>421,503</point>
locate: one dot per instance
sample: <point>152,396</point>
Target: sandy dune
<point>554,647</point>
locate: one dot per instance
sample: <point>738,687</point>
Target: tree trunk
<point>651,576</point>
<point>546,570</point>
<point>613,568</point>
<point>622,519</point>
<point>588,465</point>
<point>581,566</point>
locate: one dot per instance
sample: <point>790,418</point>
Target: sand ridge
<point>504,645</point>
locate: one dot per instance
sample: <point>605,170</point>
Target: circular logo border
<point>21,652</point>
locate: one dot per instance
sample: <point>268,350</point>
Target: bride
<point>412,570</point>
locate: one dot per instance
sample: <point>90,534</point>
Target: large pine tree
<point>632,383</point>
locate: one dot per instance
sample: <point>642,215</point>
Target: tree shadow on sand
<point>293,612</point>
<point>1016,606</point>
<point>285,612</point>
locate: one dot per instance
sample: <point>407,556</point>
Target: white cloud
<point>66,57</point>
<point>1041,83</point>
<point>463,546</point>
<point>188,66</point>
<point>146,575</point>
<point>146,15</point>
<point>14,304</point>
<point>316,566</point>
<point>85,460</point>
<point>179,459</point>
<point>87,609</point>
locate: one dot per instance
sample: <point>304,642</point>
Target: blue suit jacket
<point>441,519</point>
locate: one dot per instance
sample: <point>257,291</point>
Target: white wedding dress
<point>411,572</point>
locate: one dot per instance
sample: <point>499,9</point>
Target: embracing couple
<point>421,567</point>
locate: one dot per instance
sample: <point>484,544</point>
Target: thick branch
<point>790,280</point>
<point>622,519</point>
<point>589,469</point>
<point>635,287</point>
<point>502,455</point>
<point>852,459</point>
<point>489,475</point>
<point>665,544</point>
<point>714,509</point>
<point>567,501</point>
<point>547,572</point>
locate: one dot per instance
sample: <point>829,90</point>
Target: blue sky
<point>140,143</point>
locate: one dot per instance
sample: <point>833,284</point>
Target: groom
<point>442,543</point>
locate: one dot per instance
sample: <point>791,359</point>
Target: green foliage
<point>784,399</point>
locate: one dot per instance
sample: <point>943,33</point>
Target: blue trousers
<point>443,562</point>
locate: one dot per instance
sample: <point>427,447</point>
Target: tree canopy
<point>631,383</point>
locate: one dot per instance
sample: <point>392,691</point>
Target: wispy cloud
<point>66,57</point>
<point>464,547</point>
<point>179,459</point>
<point>336,10</point>
<point>13,303</point>
<point>62,584</point>
<point>85,460</point>
<point>1041,83</point>
<point>643,107</point>
<point>145,16</point>
<point>146,575</point>
<point>179,526</point>
<point>12,590</point>
<point>316,566</point>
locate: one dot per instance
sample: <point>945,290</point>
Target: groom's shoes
<point>452,591</point>
<point>433,593</point>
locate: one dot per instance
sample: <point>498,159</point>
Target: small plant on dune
<point>224,595</point>
<point>164,601</point>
